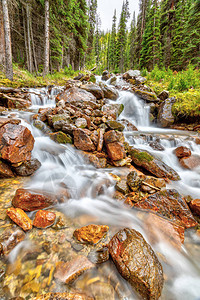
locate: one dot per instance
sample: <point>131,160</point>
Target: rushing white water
<point>44,97</point>
<point>91,189</point>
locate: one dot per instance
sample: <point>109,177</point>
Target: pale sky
<point>106,10</point>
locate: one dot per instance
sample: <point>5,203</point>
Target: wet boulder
<point>94,89</point>
<point>81,123</point>
<point>78,97</point>
<point>128,125</point>
<point>131,74</point>
<point>182,152</point>
<point>190,162</point>
<point>91,234</point>
<point>115,125</point>
<point>147,96</point>
<point>16,143</point>
<point>105,75</point>
<point>156,146</point>
<point>69,271</point>
<point>113,110</point>
<point>82,141</point>
<point>18,216</point>
<point>134,181</point>
<point>109,92</point>
<point>165,116</point>
<point>169,204</point>
<point>122,187</point>
<point>27,168</point>
<point>195,206</point>
<point>116,151</point>
<point>44,219</point>
<point>152,164</point>
<point>163,95</point>
<point>42,126</point>
<point>30,200</point>
<point>137,263</point>
<point>5,170</point>
<point>61,137</point>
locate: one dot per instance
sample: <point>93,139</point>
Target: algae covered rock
<point>137,263</point>
<point>61,138</point>
<point>152,164</point>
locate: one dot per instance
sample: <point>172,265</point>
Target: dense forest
<point>47,36</point>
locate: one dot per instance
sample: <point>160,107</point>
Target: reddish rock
<point>82,141</point>
<point>44,218</point>
<point>69,271</point>
<point>182,152</point>
<point>10,238</point>
<point>160,229</point>
<point>169,204</point>
<point>16,143</point>
<point>30,201</point>
<point>4,121</point>
<point>64,296</point>
<point>91,234</point>
<point>100,140</point>
<point>195,206</point>
<point>190,162</point>
<point>137,263</point>
<point>98,162</point>
<point>116,151</point>
<point>152,164</point>
<point>18,216</point>
<point>110,137</point>
<point>94,89</point>
<point>5,170</point>
<point>112,110</point>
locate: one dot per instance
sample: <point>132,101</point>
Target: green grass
<point>22,78</point>
<point>184,85</point>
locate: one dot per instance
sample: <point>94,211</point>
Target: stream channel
<point>30,265</point>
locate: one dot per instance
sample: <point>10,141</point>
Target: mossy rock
<point>61,138</point>
<point>147,96</point>
<point>141,155</point>
<point>114,125</point>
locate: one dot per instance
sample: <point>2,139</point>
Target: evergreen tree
<point>112,48</point>
<point>132,43</point>
<point>92,11</point>
<point>151,46</point>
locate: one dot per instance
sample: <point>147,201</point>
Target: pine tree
<point>112,48</point>
<point>92,11</point>
<point>151,46</point>
<point>132,43</point>
<point>122,37</point>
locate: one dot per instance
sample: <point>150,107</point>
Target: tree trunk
<point>8,50</point>
<point>46,50</point>
<point>30,62</point>
<point>2,44</point>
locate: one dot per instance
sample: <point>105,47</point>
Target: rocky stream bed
<point>97,201</point>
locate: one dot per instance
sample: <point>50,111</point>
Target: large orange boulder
<point>16,143</point>
<point>30,201</point>
<point>137,263</point>
<point>18,216</point>
<point>44,219</point>
<point>169,204</point>
<point>182,152</point>
<point>190,162</point>
<point>82,141</point>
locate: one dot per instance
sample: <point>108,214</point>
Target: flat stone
<point>30,200</point>
<point>91,234</point>
<point>18,216</point>
<point>44,219</point>
<point>69,271</point>
<point>137,263</point>
<point>169,204</point>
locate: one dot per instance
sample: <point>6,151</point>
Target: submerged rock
<point>69,271</point>
<point>91,234</point>
<point>16,143</point>
<point>190,162</point>
<point>30,200</point>
<point>169,204</point>
<point>64,296</point>
<point>99,256</point>
<point>152,164</point>
<point>18,216</point>
<point>11,238</point>
<point>137,263</point>
<point>44,218</point>
<point>5,170</point>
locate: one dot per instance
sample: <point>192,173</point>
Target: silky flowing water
<point>29,267</point>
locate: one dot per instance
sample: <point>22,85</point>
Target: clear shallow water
<point>91,190</point>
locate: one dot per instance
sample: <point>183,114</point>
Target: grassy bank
<point>184,85</point>
<point>22,78</point>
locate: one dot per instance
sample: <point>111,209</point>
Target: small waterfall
<point>44,97</point>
